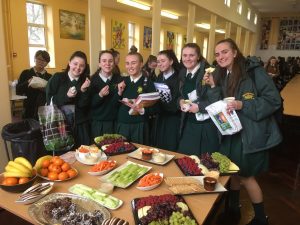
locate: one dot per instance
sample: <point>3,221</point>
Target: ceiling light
<point>135,4</point>
<point>169,15</point>
<point>203,25</point>
<point>220,31</point>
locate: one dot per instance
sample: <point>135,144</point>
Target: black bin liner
<point>25,138</point>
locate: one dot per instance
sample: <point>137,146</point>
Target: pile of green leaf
<point>223,161</point>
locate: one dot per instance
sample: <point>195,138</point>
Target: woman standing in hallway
<point>70,88</point>
<point>168,119</point>
<point>256,99</point>
<point>105,96</point>
<point>199,134</point>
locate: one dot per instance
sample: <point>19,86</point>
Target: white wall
<point>272,51</point>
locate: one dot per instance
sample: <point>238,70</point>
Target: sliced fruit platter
<point>197,166</point>
<point>151,155</point>
<point>108,139</point>
<point>106,200</point>
<point>118,148</point>
<point>126,174</point>
<point>89,155</point>
<point>102,167</point>
<point>150,181</point>
<point>162,209</point>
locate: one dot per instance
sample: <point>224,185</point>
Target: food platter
<point>46,178</point>
<point>126,174</point>
<point>138,155</point>
<point>90,162</point>
<point>36,210</point>
<point>102,172</point>
<point>118,148</point>
<point>151,187</point>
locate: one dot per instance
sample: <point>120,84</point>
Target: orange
<point>52,176</point>
<point>63,176</point>
<point>65,167</point>
<point>11,181</point>
<point>46,163</point>
<point>72,173</point>
<point>23,180</point>
<point>55,169</point>
<point>53,158</point>
<point>44,172</point>
<point>58,161</point>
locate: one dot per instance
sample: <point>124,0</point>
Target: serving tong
<point>35,192</point>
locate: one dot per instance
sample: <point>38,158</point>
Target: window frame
<point>131,37</point>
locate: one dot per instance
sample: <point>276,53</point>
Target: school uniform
<point>168,119</point>
<point>57,89</point>
<point>104,109</point>
<point>135,127</point>
<point>198,134</point>
<point>35,96</point>
<point>260,98</point>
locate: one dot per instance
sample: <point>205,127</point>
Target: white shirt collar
<point>168,74</point>
<point>194,70</point>
<point>135,79</point>
<point>43,72</point>
<point>71,78</point>
<point>104,78</point>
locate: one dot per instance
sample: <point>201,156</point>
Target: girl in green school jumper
<point>168,118</point>
<point>105,96</point>
<point>135,127</point>
<point>71,88</point>
<point>199,134</point>
<point>256,99</point>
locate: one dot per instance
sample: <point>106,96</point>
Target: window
<point>249,14</point>
<point>227,2</point>
<point>36,22</point>
<point>131,31</point>
<point>255,18</point>
<point>239,7</point>
<point>205,45</point>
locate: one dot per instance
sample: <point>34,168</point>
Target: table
<point>291,96</point>
<point>200,204</point>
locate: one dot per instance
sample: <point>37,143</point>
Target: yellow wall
<point>63,48</point>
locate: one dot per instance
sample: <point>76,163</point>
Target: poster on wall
<point>147,40</point>
<point>265,33</point>
<point>118,36</point>
<point>72,25</point>
<point>289,34</point>
<point>170,40</point>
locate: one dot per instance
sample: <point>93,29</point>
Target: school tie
<point>74,82</point>
<point>189,76</point>
<point>38,74</point>
<point>108,81</point>
<point>227,79</point>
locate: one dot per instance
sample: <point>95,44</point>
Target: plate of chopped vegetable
<point>102,167</point>
<point>150,181</point>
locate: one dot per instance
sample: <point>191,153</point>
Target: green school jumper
<point>168,119</point>
<point>103,109</point>
<point>198,136</point>
<point>57,88</point>
<point>135,127</point>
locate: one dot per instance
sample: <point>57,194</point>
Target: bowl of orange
<point>16,184</point>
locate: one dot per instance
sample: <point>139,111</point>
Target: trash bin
<point>25,138</point>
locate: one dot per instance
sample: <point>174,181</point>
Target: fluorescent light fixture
<point>169,15</point>
<point>220,31</point>
<point>135,4</point>
<point>203,25</point>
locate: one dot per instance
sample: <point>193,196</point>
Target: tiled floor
<point>282,202</point>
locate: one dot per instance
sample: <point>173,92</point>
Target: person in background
<point>198,132</point>
<point>135,127</point>
<point>71,87</point>
<point>105,96</point>
<point>272,68</point>
<point>149,67</point>
<point>116,70</point>
<point>168,119</point>
<point>256,99</point>
<point>35,96</point>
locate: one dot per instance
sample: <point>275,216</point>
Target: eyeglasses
<point>41,60</point>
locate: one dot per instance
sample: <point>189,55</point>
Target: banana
<point>17,174</point>
<point>20,167</point>
<point>10,168</point>
<point>40,160</point>
<point>24,162</point>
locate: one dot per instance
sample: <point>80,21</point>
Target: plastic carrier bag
<point>57,135</point>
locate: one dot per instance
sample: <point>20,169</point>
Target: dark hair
<point>151,58</point>
<point>114,52</point>
<point>103,52</point>
<point>44,54</point>
<point>133,49</point>
<point>170,54</point>
<point>82,55</point>
<point>140,57</point>
<point>196,47</point>
<point>237,68</point>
